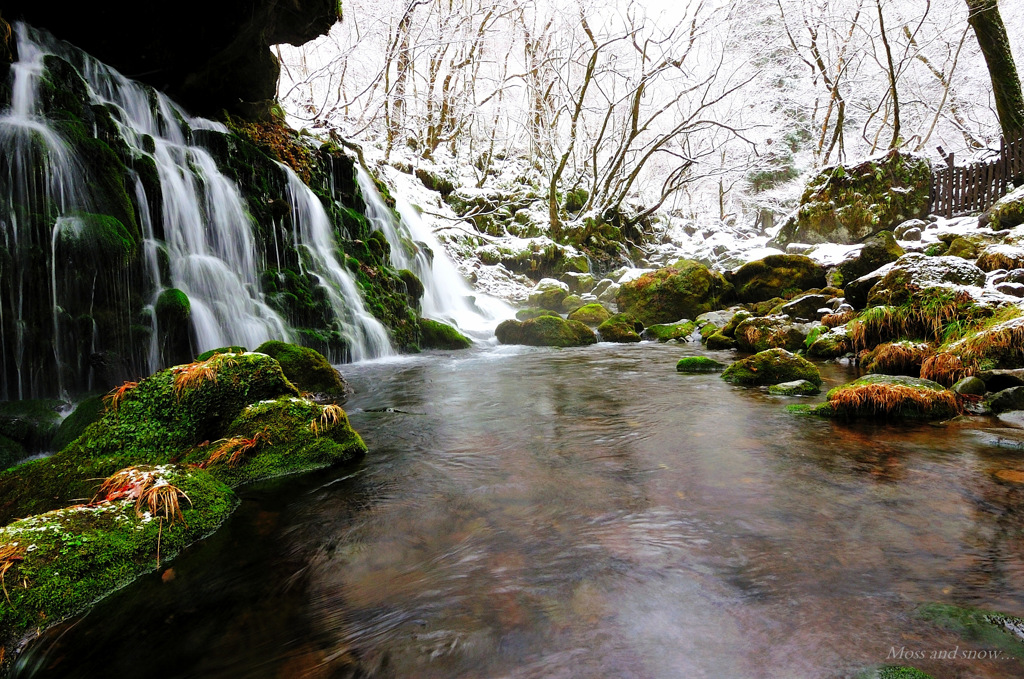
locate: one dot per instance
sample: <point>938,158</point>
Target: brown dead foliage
<point>946,368</point>
<point>836,320</point>
<point>893,399</point>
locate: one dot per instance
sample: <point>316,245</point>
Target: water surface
<point>582,513</point>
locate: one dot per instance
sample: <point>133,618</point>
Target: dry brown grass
<point>117,394</point>
<point>9,555</point>
<point>234,449</point>
<point>901,358</point>
<point>187,377</point>
<point>990,261</point>
<point>946,368</point>
<point>330,416</point>
<point>835,320</point>
<point>127,484</point>
<point>892,399</point>
<point>1005,340</point>
<point>162,498</point>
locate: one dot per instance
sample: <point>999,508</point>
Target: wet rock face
<point>208,56</point>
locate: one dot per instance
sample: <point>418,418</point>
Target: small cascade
<point>364,335</point>
<point>86,258</point>
<point>446,294</point>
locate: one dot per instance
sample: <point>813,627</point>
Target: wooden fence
<point>975,187</point>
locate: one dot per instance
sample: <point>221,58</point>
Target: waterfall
<point>184,224</point>
<point>364,334</point>
<point>446,294</point>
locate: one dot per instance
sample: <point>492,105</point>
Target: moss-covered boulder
<point>889,396</point>
<point>534,312</point>
<point>545,331</point>
<point>591,314</point>
<point>666,332</point>
<point>897,358</point>
<point>548,294</point>
<point>794,388</point>
<point>11,452</point>
<point>621,328</point>
<point>915,271</point>
<point>997,344</point>
<point>845,204</point>
<point>438,335</point>
<point>803,308</point>
<point>829,343</point>
<point>1001,257</point>
<point>571,303</point>
<point>773,366</point>
<point>686,289</point>
<point>62,561</point>
<point>769,332</point>
<point>1007,400</point>
<point>173,311</point>
<point>1007,212</point>
<point>699,364</point>
<point>879,250</point>
<point>962,248</point>
<point>306,368</point>
<point>776,276</point>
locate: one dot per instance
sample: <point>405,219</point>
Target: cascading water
<point>100,263</point>
<point>446,295</point>
<point>364,334</point>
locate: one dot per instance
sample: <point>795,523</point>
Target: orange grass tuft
<point>330,416</point>
<point>946,368</point>
<point>233,449</point>
<point>1005,340</point>
<point>892,399</point>
<point>835,320</point>
<point>898,358</point>
<point>117,394</point>
<point>189,376</point>
<point>127,484</point>
<point>9,555</point>
<point>162,497</point>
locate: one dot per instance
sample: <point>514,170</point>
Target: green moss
<point>894,672</point>
<point>687,289</point>
<point>768,332</point>
<point>152,424</point>
<point>437,335</point>
<point>670,331</point>
<point>775,276</point>
<point>589,314</point>
<point>93,240</point>
<point>534,312</point>
<point>84,414</point>
<point>545,331</point>
<point>794,388</point>
<point>76,555</point>
<point>173,306</point>
<point>771,367</point>
<point>987,628</point>
<point>306,368</point>
<point>621,328</point>
<point>11,452</point>
<point>889,396</point>
<point>699,364</point>
<point>720,342</point>
<point>413,285</point>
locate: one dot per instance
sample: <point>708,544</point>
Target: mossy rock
<point>845,204</point>
<point>769,332</point>
<point>571,303</point>
<point>794,388</point>
<point>534,312</point>
<point>306,368</point>
<point>173,311</point>
<point>773,366</point>
<point>962,248</point>
<point>915,272</point>
<point>153,422</point>
<point>71,427</point>
<point>74,556</point>
<point>720,342</point>
<point>997,344</point>
<point>1001,257</point>
<point>890,396</point>
<point>896,358</point>
<point>621,328</point>
<point>291,435</point>
<point>11,453</point>
<point>776,276</point>
<point>438,335</point>
<point>802,308</point>
<point>590,314</point>
<point>699,364</point>
<point>879,250</point>
<point>1007,400</point>
<point>413,285</point>
<point>686,289</point>
<point>665,332</point>
<point>988,629</point>
<point>94,240</point>
<point>31,423</point>
<point>893,672</point>
<point>832,344</point>
<point>1007,212</point>
<point>548,294</point>
<point>545,331</point>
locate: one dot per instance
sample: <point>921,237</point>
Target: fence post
<point>949,186</point>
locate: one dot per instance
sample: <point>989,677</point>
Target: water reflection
<point>583,513</point>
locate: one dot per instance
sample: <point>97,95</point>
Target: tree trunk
<point>988,26</point>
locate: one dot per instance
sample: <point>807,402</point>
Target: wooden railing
<point>975,187</point>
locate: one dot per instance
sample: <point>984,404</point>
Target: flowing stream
<point>582,513</point>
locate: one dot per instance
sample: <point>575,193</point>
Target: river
<point>581,513</point>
